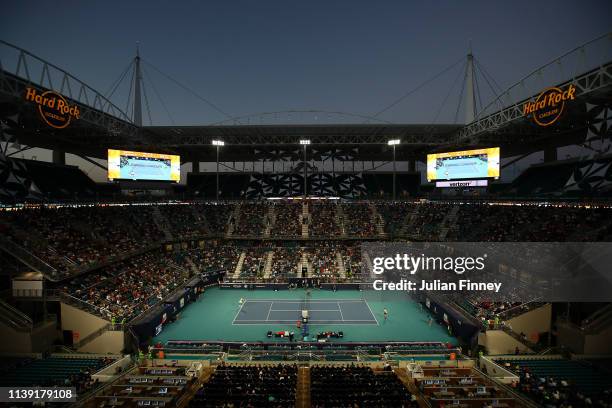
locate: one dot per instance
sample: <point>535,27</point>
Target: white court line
<point>373,315</point>
<point>269,310</point>
<point>331,322</point>
<point>311,301</point>
<point>340,322</point>
<point>239,310</point>
<point>310,310</point>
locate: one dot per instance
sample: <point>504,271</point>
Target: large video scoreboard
<point>127,165</point>
<point>463,165</point>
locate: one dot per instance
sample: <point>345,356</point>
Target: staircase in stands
<point>448,222</point>
<point>340,265</point>
<point>378,221</point>
<point>269,220</point>
<point>339,219</point>
<point>162,223</point>
<point>305,220</point>
<point>302,396</point>
<point>238,269</point>
<point>192,265</point>
<point>236,216</point>
<point>202,219</point>
<point>304,263</point>
<point>268,264</point>
<point>408,221</point>
<point>368,264</point>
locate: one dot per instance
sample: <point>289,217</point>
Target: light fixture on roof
<point>217,144</point>
<point>393,143</point>
<point>304,141</point>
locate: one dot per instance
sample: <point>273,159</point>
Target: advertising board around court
<point>463,183</point>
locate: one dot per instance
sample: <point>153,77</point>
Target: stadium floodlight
<point>305,143</point>
<point>393,143</point>
<point>218,144</point>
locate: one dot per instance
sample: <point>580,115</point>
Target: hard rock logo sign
<point>53,108</point>
<point>549,105</point>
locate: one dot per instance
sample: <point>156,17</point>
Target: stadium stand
<point>125,290</point>
<point>324,220</point>
<point>562,382</point>
<point>358,220</point>
<point>245,386</point>
<point>52,371</point>
<point>159,386</point>
<point>394,214</point>
<point>286,261</point>
<point>217,215</point>
<point>252,219</point>
<point>441,386</point>
<point>351,385</point>
<point>287,221</point>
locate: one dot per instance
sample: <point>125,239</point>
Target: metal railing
<point>14,318</point>
<point>524,401</point>
<point>81,304</point>
<point>91,336</point>
<point>599,320</point>
<point>29,259</point>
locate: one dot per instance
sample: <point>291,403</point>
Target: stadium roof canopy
<point>103,125</point>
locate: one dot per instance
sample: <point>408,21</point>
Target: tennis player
<point>241,303</point>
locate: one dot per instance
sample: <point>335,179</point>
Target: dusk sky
<point>249,57</point>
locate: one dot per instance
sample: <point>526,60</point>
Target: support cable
<point>144,92</point>
<point>163,104</point>
<point>191,91</point>
<point>461,94</point>
<point>435,119</point>
<point>486,75</point>
<point>417,88</point>
<point>127,106</point>
<point>477,95</point>
<point>109,93</point>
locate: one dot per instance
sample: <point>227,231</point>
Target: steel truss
<point>95,109</point>
<point>279,135</point>
<point>586,84</point>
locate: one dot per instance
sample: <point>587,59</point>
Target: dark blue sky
<point>352,56</point>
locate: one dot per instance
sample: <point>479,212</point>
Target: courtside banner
<point>504,271</point>
<point>466,183</point>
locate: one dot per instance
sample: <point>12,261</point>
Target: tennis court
<point>287,311</point>
<point>218,315</point>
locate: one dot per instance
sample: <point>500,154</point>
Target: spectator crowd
<point>236,386</point>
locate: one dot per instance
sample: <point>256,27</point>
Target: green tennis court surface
<point>218,316</point>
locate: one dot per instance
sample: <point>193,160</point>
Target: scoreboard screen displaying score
<point>462,165</point>
<point>127,165</point>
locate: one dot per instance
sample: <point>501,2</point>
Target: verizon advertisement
<point>466,183</point>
